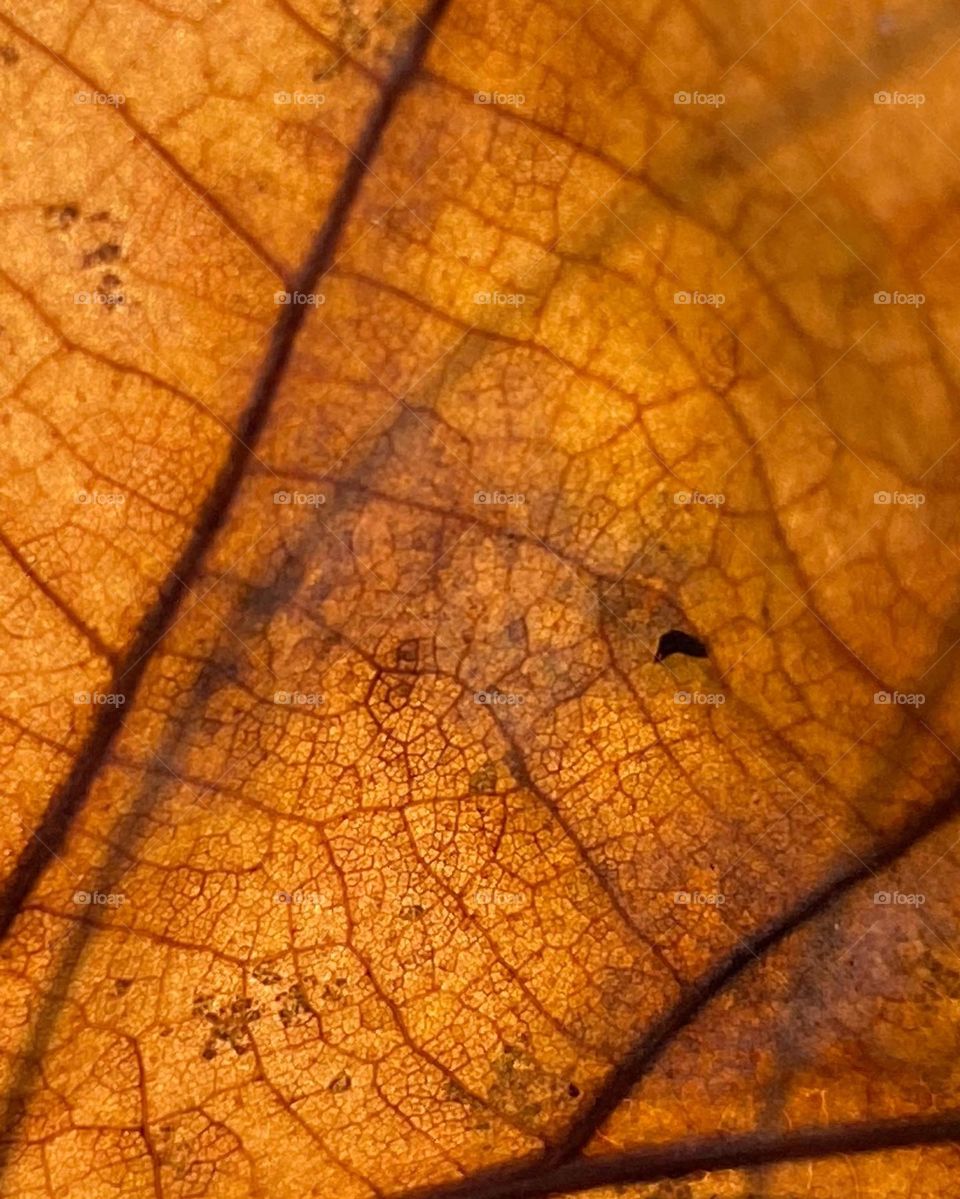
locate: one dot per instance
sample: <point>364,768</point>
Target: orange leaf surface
<point>480,562</point>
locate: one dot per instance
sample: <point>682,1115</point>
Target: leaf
<point>480,530</point>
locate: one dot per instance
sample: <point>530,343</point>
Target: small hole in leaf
<point>678,642</point>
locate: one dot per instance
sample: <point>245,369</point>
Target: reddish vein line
<point>646,1051</point>
<point>713,1153</point>
<point>68,799</point>
<point>88,632</point>
<point>516,1179</point>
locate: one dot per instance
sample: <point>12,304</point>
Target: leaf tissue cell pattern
<point>480,557</point>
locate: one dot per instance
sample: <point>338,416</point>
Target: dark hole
<point>678,642</point>
<point>573,1090</point>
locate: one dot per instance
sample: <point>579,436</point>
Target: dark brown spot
<point>61,216</point>
<point>108,252</point>
<point>484,780</point>
<point>408,655</point>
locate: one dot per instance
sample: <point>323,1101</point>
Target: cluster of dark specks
<point>62,217</point>
<point>229,1023</point>
<point>107,251</point>
<point>293,1004</point>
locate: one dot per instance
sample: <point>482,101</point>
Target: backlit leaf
<point>480,558</point>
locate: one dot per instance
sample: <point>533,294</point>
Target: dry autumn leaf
<point>480,558</point>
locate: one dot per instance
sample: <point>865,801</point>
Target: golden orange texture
<point>382,384</point>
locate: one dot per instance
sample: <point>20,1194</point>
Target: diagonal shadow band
<point>69,798</point>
